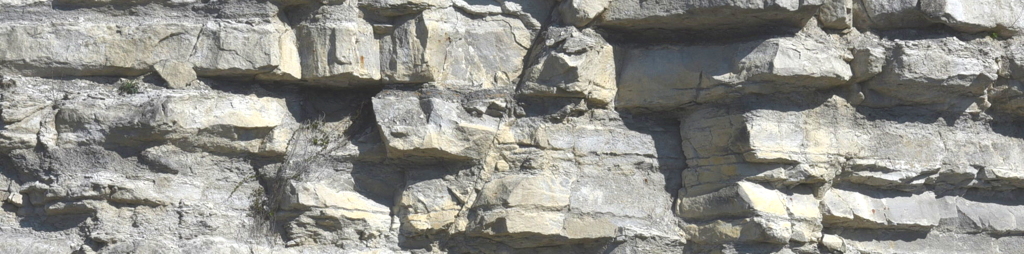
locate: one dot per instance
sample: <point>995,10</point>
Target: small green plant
<point>313,142</point>
<point>128,87</point>
<point>994,35</point>
<point>260,206</point>
<point>321,141</point>
<point>320,134</point>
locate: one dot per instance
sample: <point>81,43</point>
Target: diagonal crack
<point>537,46</point>
<point>195,46</point>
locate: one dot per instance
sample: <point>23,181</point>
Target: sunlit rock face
<point>513,126</point>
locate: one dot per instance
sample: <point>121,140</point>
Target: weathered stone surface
<point>692,14</point>
<point>338,48</point>
<point>93,48</point>
<point>744,199</point>
<point>177,74</point>
<point>875,157</point>
<point>452,49</point>
<point>836,14</point>
<point>581,12</point>
<point>833,242</point>
<point>16,3</point>
<point>591,198</point>
<point>222,50</point>
<point>543,192</point>
<point>209,121</point>
<point>110,49</point>
<point>997,16</point>
<point>976,16</point>
<point>520,126</point>
<point>843,207</point>
<point>349,204</point>
<point>671,76</point>
<point>522,228</point>
<point>918,212</point>
<point>428,206</point>
<point>778,217</point>
<point>400,7</point>
<point>582,65</point>
<point>890,14</point>
<point>421,124</point>
<point>920,68</point>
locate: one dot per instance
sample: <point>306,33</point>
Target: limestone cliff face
<point>511,126</point>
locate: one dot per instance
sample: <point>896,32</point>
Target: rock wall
<point>511,126</point>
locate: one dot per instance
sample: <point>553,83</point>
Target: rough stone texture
<point>576,64</point>
<point>461,46</point>
<point>994,16</point>
<point>667,76</point>
<point>929,66</point>
<point>581,12</point>
<point>337,46</point>
<point>426,123</point>
<point>836,14</point>
<point>177,74</point>
<point>695,14</point>
<point>518,126</point>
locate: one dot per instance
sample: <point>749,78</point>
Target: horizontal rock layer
<point>524,126</point>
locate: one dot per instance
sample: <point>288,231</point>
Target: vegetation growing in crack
<point>320,135</point>
<point>259,205</point>
<point>313,141</point>
<point>128,87</point>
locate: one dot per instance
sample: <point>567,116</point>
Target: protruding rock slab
<point>707,15</point>
<point>431,123</point>
<point>808,145</point>
<point>937,71</point>
<point>177,74</point>
<point>338,48</point>
<point>666,77</point>
<point>970,16</point>
<point>744,200</point>
<point>214,48</point>
<point>450,48</point>
<point>575,64</point>
<point>581,12</point>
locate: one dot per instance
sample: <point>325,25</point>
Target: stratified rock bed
<point>511,126</point>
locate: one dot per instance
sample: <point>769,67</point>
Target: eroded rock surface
<point>516,126</point>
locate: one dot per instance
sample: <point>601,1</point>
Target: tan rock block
<point>803,206</point>
<point>178,74</point>
<point>833,242</point>
<point>430,221</point>
<point>521,222</point>
<point>588,227</point>
<point>528,191</point>
<point>762,199</point>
